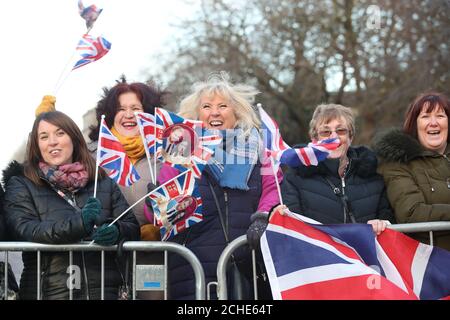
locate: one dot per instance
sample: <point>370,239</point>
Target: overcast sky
<point>39,38</point>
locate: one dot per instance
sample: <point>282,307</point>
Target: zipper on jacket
<point>347,169</point>
<point>429,180</point>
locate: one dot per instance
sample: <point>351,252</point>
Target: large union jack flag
<point>177,204</point>
<point>183,143</point>
<point>307,260</point>
<point>293,157</point>
<point>111,156</point>
<point>91,49</point>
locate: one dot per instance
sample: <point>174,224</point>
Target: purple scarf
<point>71,177</point>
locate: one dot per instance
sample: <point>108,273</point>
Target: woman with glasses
<point>345,188</point>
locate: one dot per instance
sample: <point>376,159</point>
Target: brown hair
<point>426,101</point>
<point>150,95</point>
<point>80,150</point>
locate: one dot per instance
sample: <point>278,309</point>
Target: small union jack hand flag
<point>112,157</point>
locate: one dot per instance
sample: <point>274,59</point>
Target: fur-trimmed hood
<point>13,169</point>
<point>363,164</point>
<point>397,146</point>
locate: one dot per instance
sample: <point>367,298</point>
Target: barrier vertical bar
<point>70,276</point>
<point>102,276</point>
<point>6,274</point>
<point>38,295</point>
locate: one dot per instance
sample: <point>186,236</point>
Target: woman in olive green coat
<point>415,164</point>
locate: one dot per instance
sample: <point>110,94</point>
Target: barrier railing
<point>144,246</point>
<point>242,240</point>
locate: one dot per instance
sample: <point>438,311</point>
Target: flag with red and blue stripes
<point>146,122</point>
<point>166,201</point>
<point>310,155</point>
<point>91,49</point>
<point>112,156</point>
<point>192,149</point>
<point>308,260</point>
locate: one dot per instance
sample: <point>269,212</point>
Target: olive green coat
<point>417,182</point>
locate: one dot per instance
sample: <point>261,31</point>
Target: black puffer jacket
<point>2,220</point>
<point>306,190</point>
<point>38,214</point>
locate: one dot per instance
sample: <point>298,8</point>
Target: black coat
<point>206,239</point>
<point>37,213</point>
<point>306,191</point>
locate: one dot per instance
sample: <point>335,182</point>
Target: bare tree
<point>302,53</point>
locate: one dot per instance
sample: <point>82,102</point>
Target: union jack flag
<point>190,151</point>
<point>91,49</point>
<point>308,260</point>
<point>146,122</point>
<point>89,14</point>
<point>293,157</point>
<point>112,157</point>
<point>177,204</point>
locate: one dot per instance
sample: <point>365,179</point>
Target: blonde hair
<point>241,98</point>
<point>325,113</point>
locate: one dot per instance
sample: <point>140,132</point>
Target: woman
<point>231,191</point>
<point>344,188</point>
<point>49,200</point>
<point>119,104</point>
<point>416,165</point>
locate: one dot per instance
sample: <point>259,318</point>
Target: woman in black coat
<point>49,200</point>
<point>345,188</point>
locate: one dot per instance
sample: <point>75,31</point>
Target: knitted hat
<point>47,104</point>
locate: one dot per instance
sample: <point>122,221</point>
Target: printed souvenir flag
<point>293,157</point>
<point>182,143</point>
<point>308,260</point>
<point>89,14</point>
<point>177,204</point>
<point>146,122</point>
<point>112,157</point>
<point>91,49</point>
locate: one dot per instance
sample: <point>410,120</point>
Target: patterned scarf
<point>134,147</point>
<point>71,177</point>
<point>235,158</point>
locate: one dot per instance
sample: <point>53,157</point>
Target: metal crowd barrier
<point>242,240</point>
<point>128,246</point>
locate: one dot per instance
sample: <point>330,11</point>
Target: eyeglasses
<point>325,133</point>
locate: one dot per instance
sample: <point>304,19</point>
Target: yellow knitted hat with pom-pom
<point>47,105</point>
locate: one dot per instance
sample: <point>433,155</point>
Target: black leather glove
<point>106,235</point>
<point>259,221</point>
<point>90,213</point>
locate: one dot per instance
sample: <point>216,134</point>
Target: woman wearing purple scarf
<point>49,199</point>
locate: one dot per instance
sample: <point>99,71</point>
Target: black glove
<point>259,221</point>
<point>90,213</point>
<point>106,235</point>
